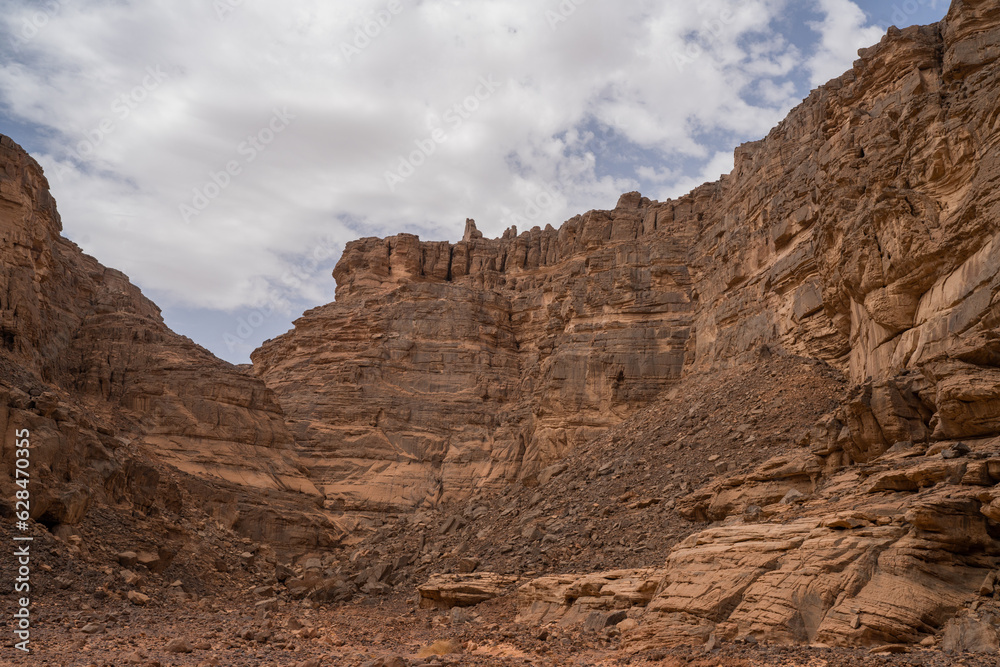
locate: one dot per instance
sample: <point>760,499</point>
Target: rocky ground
<point>84,617</point>
<point>169,585</point>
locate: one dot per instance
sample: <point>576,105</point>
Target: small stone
<point>138,657</point>
<point>956,451</point>
<point>889,649</point>
<point>468,565</point>
<point>127,559</point>
<point>989,585</point>
<point>532,533</point>
<point>793,496</point>
<point>267,605</point>
<point>264,592</point>
<point>148,560</point>
<point>92,628</point>
<point>131,578</point>
<point>627,625</point>
<point>138,598</point>
<point>178,645</point>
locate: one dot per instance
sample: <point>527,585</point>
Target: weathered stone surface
<point>877,563</point>
<point>970,635</point>
<point>572,599</point>
<point>441,367</point>
<point>444,591</point>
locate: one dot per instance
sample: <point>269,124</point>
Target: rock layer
<point>862,232</point>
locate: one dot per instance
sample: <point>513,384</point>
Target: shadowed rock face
<point>860,231</point>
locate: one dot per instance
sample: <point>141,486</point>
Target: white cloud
<point>671,79</point>
<point>843,31</point>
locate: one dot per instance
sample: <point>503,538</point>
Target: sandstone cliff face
<point>440,367</point>
<point>93,370</point>
<point>859,232</point>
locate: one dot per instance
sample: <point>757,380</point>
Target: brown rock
<point>83,335</point>
<point>970,635</point>
<point>178,645</point>
<point>138,598</point>
<point>571,599</point>
<point>444,591</point>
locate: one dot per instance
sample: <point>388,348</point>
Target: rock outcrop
<point>883,553</point>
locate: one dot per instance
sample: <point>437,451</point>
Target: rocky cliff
<point>768,410</point>
<point>440,367</point>
<point>859,232</point>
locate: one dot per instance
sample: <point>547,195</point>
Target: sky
<point>222,152</point>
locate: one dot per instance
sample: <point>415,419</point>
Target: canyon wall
<point>861,231</point>
<point>441,367</point>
